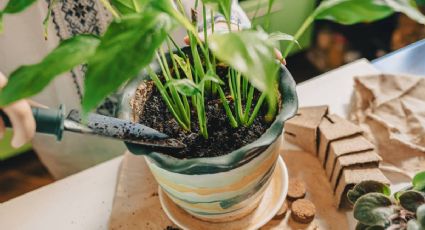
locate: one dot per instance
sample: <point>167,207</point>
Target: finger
<point>279,56</point>
<point>2,128</point>
<point>3,80</point>
<point>186,40</point>
<point>23,123</point>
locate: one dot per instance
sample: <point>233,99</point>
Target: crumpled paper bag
<point>391,109</point>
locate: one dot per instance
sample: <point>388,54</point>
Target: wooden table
<point>84,200</point>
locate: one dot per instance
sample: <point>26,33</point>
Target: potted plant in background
<point>374,208</point>
<point>226,97</point>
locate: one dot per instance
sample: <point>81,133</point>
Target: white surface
<point>84,200</point>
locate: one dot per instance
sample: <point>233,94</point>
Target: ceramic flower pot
<point>222,188</point>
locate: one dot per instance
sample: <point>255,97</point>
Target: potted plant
<point>226,97</point>
<point>374,208</point>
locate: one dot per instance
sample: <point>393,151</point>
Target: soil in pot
<point>223,138</point>
<point>151,111</point>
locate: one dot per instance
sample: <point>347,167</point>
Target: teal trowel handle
<point>48,121</point>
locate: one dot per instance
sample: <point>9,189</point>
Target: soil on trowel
<point>222,139</point>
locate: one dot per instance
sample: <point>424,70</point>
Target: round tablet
<point>303,211</point>
<point>296,189</point>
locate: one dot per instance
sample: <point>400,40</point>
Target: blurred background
<point>325,46</point>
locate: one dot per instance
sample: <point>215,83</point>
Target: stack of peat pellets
<point>346,155</point>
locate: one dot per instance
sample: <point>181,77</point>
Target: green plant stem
<point>110,8</point>
<point>202,116</point>
<point>238,100</point>
<point>248,105</point>
<point>226,106</point>
<point>179,50</point>
<point>309,20</point>
<point>245,85</point>
<point>207,53</point>
<point>180,108</point>
<point>256,109</point>
<point>136,6</point>
<point>166,97</point>
<point>176,70</point>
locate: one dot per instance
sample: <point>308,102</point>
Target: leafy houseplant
<point>234,71</point>
<point>375,209</point>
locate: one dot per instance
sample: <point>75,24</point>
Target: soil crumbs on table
<point>222,139</point>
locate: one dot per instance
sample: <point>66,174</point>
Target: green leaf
<point>419,181</point>
<point>279,36</point>
<point>184,65</point>
<point>129,6</point>
<point>223,6</point>
<point>16,6</point>
<point>373,209</point>
<point>13,7</point>
<point>127,47</point>
<point>184,86</point>
<point>366,187</point>
<point>1,22</point>
<point>29,80</point>
<point>212,78</point>
<point>351,12</point>
<point>406,8</point>
<point>411,200</point>
<point>167,6</point>
<point>250,53</point>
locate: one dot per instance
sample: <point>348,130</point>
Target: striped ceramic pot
<point>220,188</point>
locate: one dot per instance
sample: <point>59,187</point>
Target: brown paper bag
<point>391,109</point>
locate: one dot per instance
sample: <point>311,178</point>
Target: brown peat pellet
<point>282,211</point>
<point>303,211</point>
<point>296,189</point>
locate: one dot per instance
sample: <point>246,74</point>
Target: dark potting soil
<point>222,139</point>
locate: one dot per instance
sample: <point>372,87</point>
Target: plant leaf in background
<point>250,53</point>
<point>366,187</point>
<point>128,46</point>
<point>354,11</point>
<point>350,12</point>
<point>411,200</point>
<point>184,86</point>
<point>184,65</point>
<point>13,7</point>
<point>167,7</point>
<point>212,78</point>
<point>279,36</point>
<point>129,6</point>
<point>373,209</point>
<point>419,181</point>
<point>223,6</point>
<point>29,80</point>
<point>124,6</point>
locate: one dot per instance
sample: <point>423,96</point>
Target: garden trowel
<point>54,122</point>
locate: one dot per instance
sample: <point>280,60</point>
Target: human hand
<point>223,27</point>
<point>21,117</point>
